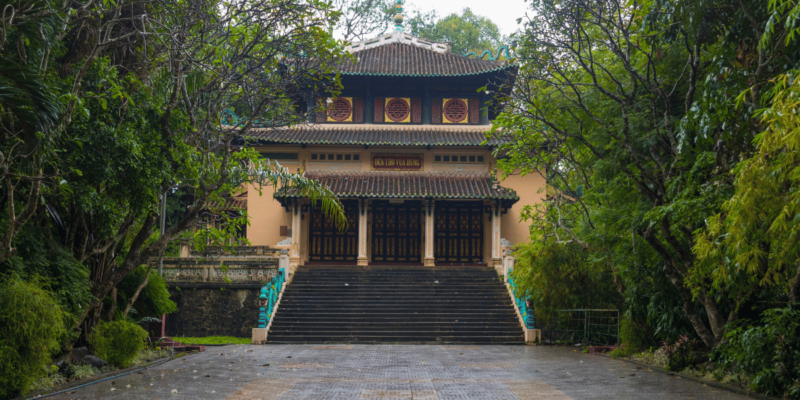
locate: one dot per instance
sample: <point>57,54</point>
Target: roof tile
<point>402,59</point>
<point>437,185</point>
<point>375,135</point>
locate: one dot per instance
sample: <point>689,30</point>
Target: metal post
<point>163,227</point>
<point>586,326</point>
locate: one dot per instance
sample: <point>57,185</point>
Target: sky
<point>504,13</point>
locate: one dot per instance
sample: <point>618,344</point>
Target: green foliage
<point>363,19</point>
<point>639,127</point>
<point>554,279</point>
<point>31,327</point>
<point>634,337</point>
<point>118,342</point>
<point>680,353</point>
<point>770,352</point>
<point>95,132</point>
<point>213,340</point>
<point>40,256</point>
<point>153,300</point>
<point>753,242</point>
<point>466,32</point>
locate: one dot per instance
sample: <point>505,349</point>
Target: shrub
<point>42,259</point>
<point>679,354</point>
<point>31,328</point>
<point>770,353</point>
<point>118,342</point>
<point>633,338</point>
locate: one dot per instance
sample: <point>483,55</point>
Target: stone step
<point>395,304</point>
<point>438,327</point>
<point>415,338</point>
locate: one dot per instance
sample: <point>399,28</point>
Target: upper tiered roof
<point>401,54</point>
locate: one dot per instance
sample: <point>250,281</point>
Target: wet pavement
<point>386,372</point>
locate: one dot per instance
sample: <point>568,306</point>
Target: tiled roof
<point>237,202</point>
<point>401,59</point>
<point>436,185</point>
<point>376,135</point>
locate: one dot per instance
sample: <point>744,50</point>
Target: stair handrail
<point>269,297</point>
<point>521,303</point>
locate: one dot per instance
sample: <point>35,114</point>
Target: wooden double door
<point>397,232</point>
<point>459,232</point>
<point>329,244</point>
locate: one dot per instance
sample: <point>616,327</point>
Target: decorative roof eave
<point>257,141</point>
<point>408,185</point>
<point>400,75</point>
<point>375,135</point>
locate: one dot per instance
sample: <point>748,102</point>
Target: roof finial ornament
<point>398,16</point>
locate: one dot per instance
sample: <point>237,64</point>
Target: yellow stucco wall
<point>267,215</point>
<point>531,190</point>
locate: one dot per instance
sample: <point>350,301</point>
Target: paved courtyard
<point>397,372</point>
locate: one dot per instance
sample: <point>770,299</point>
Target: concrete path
<point>397,372</point>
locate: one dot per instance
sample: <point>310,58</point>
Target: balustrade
<point>520,303</point>
<point>269,298</point>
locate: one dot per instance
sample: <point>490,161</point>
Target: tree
<point>753,240</point>
<point>466,32</point>
<point>363,19</point>
<point>143,85</point>
<point>631,109</point>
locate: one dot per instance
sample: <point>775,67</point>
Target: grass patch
<point>657,358</point>
<point>148,355</point>
<point>213,340</point>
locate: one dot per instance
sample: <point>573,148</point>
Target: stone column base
<point>362,261</point>
<point>259,336</point>
<point>429,261</point>
<point>533,335</point>
<point>294,262</point>
<point>496,262</point>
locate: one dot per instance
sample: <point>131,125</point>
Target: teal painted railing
<point>269,297</point>
<point>522,304</point>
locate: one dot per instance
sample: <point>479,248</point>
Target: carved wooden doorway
<point>396,232</point>
<point>327,243</point>
<point>459,232</point>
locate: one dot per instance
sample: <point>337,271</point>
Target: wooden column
<point>429,260</point>
<point>496,250</point>
<point>362,234</point>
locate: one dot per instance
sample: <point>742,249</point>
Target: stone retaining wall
<point>213,310</point>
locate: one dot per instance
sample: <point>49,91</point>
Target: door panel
<point>459,232</point>
<point>327,243</point>
<point>396,232</point>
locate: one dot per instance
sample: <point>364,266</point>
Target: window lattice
<point>397,110</point>
<point>455,110</point>
<point>340,109</point>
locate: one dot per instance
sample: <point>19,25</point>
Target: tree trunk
<point>113,309</point>
<point>675,277</point>
<point>138,290</point>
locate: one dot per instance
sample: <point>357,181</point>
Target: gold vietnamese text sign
<point>386,162</point>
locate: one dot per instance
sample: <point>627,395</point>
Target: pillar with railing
<point>524,312</point>
<point>269,298</point>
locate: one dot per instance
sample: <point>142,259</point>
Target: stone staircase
<point>396,305</point>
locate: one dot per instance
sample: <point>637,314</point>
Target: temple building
<point>404,147</point>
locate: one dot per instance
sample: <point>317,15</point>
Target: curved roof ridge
<point>397,58</point>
